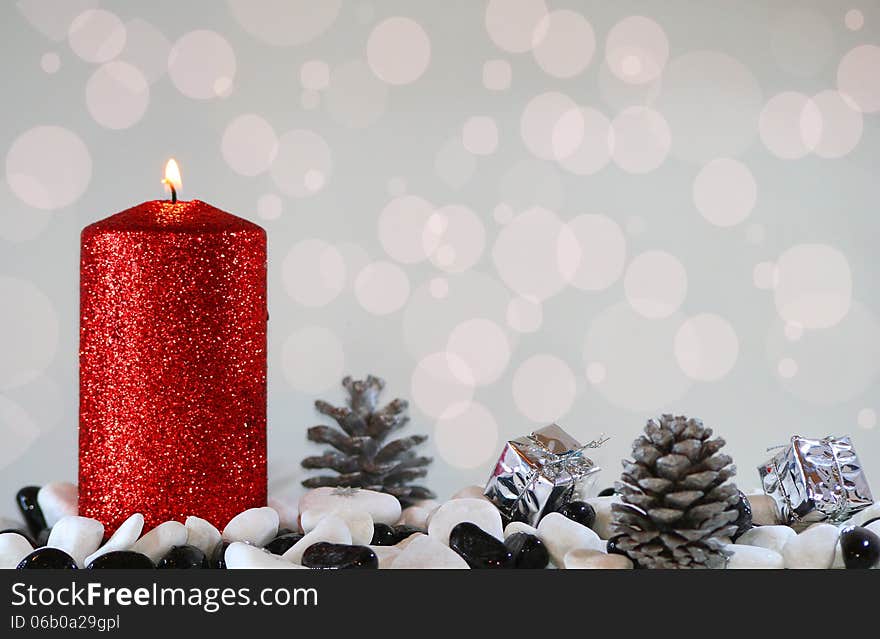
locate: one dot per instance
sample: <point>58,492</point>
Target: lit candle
<point>172,363</point>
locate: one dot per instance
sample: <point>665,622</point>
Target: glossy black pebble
<point>339,557</point>
<point>612,549</point>
<point>19,532</point>
<point>186,557</point>
<point>744,515</point>
<point>284,542</point>
<point>218,556</point>
<point>579,511</point>
<point>43,537</point>
<point>528,551</point>
<point>47,558</point>
<point>383,535</point>
<point>122,559</point>
<point>606,492</point>
<point>478,548</point>
<point>403,531</point>
<point>860,547</point>
<point>26,498</point>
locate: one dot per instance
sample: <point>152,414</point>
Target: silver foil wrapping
<point>538,473</point>
<point>816,480</point>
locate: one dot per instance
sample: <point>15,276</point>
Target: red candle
<point>172,363</point>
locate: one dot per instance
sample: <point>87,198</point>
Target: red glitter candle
<point>172,364</point>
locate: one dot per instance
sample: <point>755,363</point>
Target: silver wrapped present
<point>538,473</point>
<point>816,480</point>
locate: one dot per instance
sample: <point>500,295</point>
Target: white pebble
<point>427,504</point>
<point>11,524</point>
<point>813,548</point>
<point>13,548</point>
<point>257,526</point>
<point>477,511</point>
<point>586,559</point>
<point>384,509</point>
<point>519,527</point>
<point>765,512</point>
<point>604,522</point>
<point>331,528</point>
<point>471,492</point>
<point>837,562</point>
<point>160,539</point>
<point>359,523</point>
<point>78,536</point>
<point>770,537</point>
<point>874,527</point>
<point>240,555</point>
<point>426,552</point>
<point>561,535</point>
<point>202,534</point>
<point>57,500</point>
<point>406,541</point>
<point>744,557</point>
<point>288,512</point>
<point>385,554</point>
<point>864,515</point>
<point>416,517</point>
<point>123,539</point>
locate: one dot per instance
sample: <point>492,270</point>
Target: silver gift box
<point>816,480</point>
<point>538,473</point>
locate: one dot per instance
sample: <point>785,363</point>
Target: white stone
<point>416,517</point>
<point>477,511</point>
<point>424,551</point>
<point>837,562</point>
<point>519,527</point>
<point>603,525</point>
<point>123,539</point>
<point>57,500</point>
<point>202,534</point>
<point>427,504</point>
<point>78,536</point>
<point>384,509</point>
<point>561,535</point>
<point>359,523</point>
<point>331,528</point>
<point>770,537</point>
<point>586,559</point>
<point>764,510</point>
<point>864,515</point>
<point>256,526</point>
<point>471,492</point>
<point>240,555</point>
<point>6,524</point>
<point>406,541</point>
<point>13,548</point>
<point>160,539</point>
<point>386,555</point>
<point>874,527</point>
<point>813,548</point>
<point>288,512</point>
<point>744,557</point>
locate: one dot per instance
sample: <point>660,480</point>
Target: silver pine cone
<point>676,502</point>
<point>363,457</point>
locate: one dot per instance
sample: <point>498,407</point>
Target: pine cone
<point>676,504</point>
<point>363,459</point>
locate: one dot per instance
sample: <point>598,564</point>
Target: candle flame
<point>172,175</point>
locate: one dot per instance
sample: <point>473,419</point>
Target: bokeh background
<point>515,211</point>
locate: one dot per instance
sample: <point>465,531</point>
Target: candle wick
<point>173,191</point>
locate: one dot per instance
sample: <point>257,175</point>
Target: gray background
<point>726,268</point>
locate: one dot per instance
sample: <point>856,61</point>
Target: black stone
<point>612,549</point>
<point>26,498</point>
<point>20,532</point>
<point>47,558</point>
<point>284,531</point>
<point>329,556</point>
<point>284,542</point>
<point>528,551</point>
<point>383,535</point>
<point>860,547</point>
<point>743,520</point>
<point>579,511</point>
<point>218,556</point>
<point>184,557</point>
<point>606,492</point>
<point>43,537</point>
<point>478,548</point>
<point>403,531</point>
<point>122,559</point>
